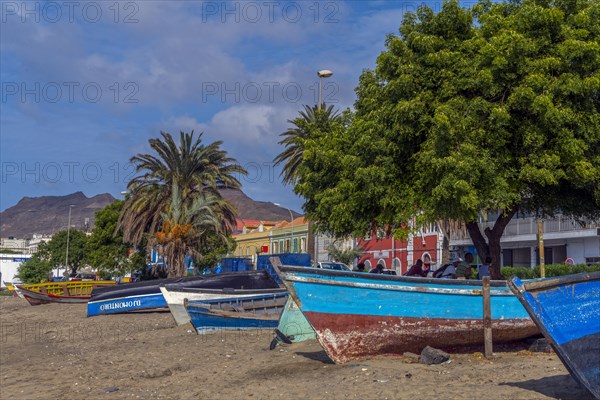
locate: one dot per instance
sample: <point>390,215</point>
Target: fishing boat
<point>175,295</point>
<point>567,311</point>
<point>260,311</point>
<point>357,315</point>
<point>146,295</point>
<point>59,292</point>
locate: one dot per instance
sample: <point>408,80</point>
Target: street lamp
<point>291,223</point>
<point>68,231</point>
<point>324,73</point>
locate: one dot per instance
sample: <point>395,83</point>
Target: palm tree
<point>294,138</point>
<point>175,202</point>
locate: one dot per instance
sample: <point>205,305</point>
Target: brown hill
<point>49,214</point>
<point>252,209</point>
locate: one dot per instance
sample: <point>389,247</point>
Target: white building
<point>564,238</point>
<point>9,266</point>
<point>13,245</point>
<point>323,242</point>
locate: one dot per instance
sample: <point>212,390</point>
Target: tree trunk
<point>491,247</point>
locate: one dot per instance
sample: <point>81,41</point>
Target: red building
<point>400,255</point>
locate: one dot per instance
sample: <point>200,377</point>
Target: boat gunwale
<point>396,288</point>
<point>544,284</point>
<point>394,278</point>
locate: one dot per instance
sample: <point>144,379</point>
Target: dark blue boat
<point>261,311</point>
<point>147,295</point>
<point>567,311</point>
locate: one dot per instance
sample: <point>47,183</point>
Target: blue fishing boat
<point>257,312</point>
<point>567,311</point>
<point>356,315</point>
<point>146,295</point>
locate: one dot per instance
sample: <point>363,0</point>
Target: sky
<point>85,85</point>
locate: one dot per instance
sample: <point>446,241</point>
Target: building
<point>401,254</point>
<point>9,266</point>
<point>564,239</point>
<point>252,238</point>
<point>36,240</point>
<point>12,245</point>
<point>292,237</point>
<point>323,242</point>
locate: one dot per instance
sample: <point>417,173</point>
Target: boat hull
<point>147,295</point>
<point>175,297</point>
<point>260,311</point>
<point>357,315</point>
<point>59,292</point>
<point>567,311</point>
<point>36,298</point>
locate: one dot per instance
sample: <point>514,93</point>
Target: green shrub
<point>523,273</point>
<point>550,269</point>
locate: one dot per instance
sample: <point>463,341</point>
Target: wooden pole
<point>540,237</point>
<point>487,318</point>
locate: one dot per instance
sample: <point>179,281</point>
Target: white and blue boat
<point>357,315</point>
<point>567,311</point>
<point>146,295</point>
<point>260,311</point>
<point>176,294</point>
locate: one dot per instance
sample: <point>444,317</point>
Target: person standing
<point>484,269</point>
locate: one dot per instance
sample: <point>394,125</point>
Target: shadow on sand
<point>559,387</point>
<point>316,355</point>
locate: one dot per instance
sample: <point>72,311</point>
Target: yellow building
<point>253,238</point>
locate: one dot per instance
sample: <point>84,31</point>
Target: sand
<point>53,351</point>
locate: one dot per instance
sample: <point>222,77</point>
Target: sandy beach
<point>53,351</point>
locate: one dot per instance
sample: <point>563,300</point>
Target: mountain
<point>259,210</point>
<point>50,214</point>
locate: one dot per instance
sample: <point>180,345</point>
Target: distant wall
<point>9,265</point>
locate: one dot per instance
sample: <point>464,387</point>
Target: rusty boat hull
<point>359,315</point>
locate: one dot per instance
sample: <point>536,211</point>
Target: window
<point>368,265</point>
<point>382,262</point>
<point>295,248</point>
<point>275,247</point>
<point>247,250</point>
<point>303,245</point>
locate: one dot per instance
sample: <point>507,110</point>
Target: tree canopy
<point>52,255</point>
<point>107,252</point>
<point>468,112</point>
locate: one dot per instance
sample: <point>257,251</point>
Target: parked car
<point>83,277</point>
<point>338,266</point>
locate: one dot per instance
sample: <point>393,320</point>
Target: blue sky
<point>86,84</point>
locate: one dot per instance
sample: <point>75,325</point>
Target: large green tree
<point>53,255</point>
<point>469,112</point>
<point>107,252</point>
<point>175,203</point>
<point>36,269</point>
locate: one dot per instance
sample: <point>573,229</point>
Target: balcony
<point>525,228</point>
